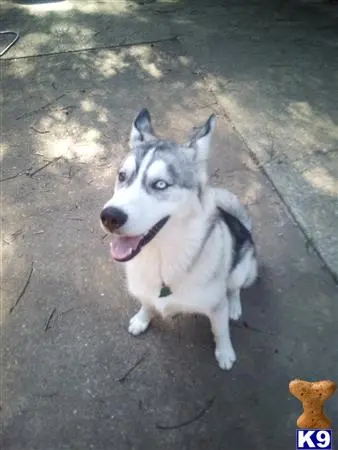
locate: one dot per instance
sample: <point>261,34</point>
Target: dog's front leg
<point>235,307</point>
<point>224,351</point>
<point>140,322</point>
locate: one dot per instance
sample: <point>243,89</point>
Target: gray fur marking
<point>241,237</point>
<point>181,169</point>
<point>141,151</point>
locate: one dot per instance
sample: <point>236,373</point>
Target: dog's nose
<point>113,218</point>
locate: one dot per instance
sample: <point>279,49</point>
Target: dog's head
<point>159,179</point>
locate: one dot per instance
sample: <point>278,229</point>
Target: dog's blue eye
<point>160,185</point>
<point>122,177</point>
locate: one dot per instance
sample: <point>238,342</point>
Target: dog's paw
<point>225,357</point>
<point>138,324</point>
<point>235,310</point>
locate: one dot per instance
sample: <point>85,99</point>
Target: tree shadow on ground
<point>61,368</point>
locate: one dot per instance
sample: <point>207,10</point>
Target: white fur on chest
<point>195,289</point>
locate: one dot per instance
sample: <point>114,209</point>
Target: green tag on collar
<point>165,291</point>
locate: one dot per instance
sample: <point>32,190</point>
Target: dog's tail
<point>252,273</point>
<point>230,203</point>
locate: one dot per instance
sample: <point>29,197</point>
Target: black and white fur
<point>196,239</point>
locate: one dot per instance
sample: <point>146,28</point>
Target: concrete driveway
<point>72,376</point>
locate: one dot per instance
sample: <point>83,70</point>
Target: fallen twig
<point>23,290</point>
<point>44,166</point>
<point>187,422</point>
<point>11,177</point>
<point>14,235</point>
<point>68,109</point>
<point>67,311</point>
<point>138,362</point>
<point>43,107</point>
<point>49,319</point>
<point>245,325</point>
<point>39,131</point>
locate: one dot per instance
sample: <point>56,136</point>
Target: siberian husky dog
<point>185,245</point>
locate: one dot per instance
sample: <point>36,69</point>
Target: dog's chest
<point>157,266</point>
<point>167,299</point>
<point>143,276</point>
<point>185,290</point>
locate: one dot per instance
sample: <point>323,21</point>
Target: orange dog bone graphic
<point>313,396</point>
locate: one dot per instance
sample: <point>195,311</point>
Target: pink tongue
<point>122,246</point>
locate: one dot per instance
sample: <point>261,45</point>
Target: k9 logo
<point>316,439</point>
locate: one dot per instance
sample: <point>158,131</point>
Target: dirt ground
<point>72,376</point>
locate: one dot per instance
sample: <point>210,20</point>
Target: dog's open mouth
<point>124,248</point>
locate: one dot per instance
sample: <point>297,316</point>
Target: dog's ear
<point>201,138</point>
<point>141,129</point>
